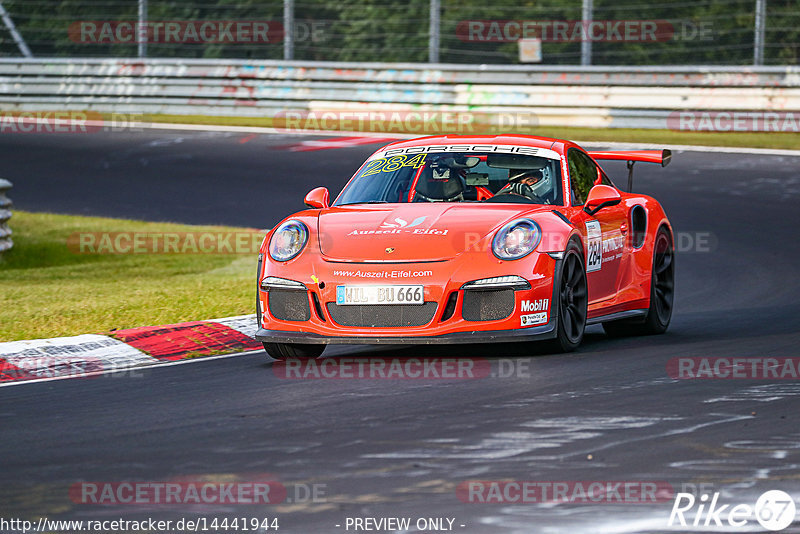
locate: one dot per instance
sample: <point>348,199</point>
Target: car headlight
<point>288,240</point>
<point>516,239</point>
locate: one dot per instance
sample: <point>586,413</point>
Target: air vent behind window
<point>638,226</point>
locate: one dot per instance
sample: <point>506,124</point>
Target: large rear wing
<point>662,157</point>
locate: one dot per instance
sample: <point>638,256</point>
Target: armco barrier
<point>640,97</point>
<point>5,214</point>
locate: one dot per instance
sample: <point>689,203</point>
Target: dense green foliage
<point>703,31</point>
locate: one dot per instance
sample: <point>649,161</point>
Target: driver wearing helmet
<point>523,184</point>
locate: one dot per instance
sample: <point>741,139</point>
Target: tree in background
<point>703,32</point>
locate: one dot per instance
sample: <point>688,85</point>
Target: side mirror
<point>601,196</point>
<point>317,198</point>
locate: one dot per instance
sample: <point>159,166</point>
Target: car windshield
<point>456,177</point>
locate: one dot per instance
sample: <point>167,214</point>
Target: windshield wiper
<point>367,202</point>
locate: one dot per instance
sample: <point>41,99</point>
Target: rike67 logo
<point>774,510</point>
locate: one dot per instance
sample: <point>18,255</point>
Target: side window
<point>582,175</point>
<point>605,180</point>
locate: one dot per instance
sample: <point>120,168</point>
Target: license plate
<point>395,294</point>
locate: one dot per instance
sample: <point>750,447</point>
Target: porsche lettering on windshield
<point>457,173</point>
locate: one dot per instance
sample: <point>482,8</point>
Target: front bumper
<point>536,333</point>
<point>466,322</point>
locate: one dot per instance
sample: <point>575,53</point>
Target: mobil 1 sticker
<point>594,241</point>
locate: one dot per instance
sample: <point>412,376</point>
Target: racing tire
<point>662,294</point>
<point>284,351</point>
<point>573,301</point>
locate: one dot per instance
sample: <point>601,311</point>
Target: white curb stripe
<point>155,363</point>
<point>71,356</point>
<point>245,324</point>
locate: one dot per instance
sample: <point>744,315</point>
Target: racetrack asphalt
<point>400,448</point>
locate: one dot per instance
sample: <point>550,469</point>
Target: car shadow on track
<point>477,350</point>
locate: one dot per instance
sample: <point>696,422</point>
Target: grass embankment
<point>50,289</point>
<point>622,135</point>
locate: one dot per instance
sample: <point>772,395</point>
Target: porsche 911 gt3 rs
<point>469,239</point>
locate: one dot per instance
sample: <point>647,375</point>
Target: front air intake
<point>487,305</point>
<point>382,316</point>
<point>289,304</point>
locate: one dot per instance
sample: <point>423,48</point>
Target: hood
<point>415,232</point>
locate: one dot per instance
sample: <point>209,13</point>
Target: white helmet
<point>544,184</point>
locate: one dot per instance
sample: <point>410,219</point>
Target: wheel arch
<point>664,225</point>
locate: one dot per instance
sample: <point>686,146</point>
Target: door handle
<point>624,228</point>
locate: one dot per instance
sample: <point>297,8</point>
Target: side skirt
<point>630,314</point>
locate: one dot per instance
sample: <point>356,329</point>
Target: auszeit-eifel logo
<point>402,223</point>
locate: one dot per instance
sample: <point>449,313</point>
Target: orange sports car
<point>469,239</point>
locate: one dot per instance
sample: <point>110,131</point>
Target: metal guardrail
<point>641,97</point>
<point>5,214</point>
<point>704,76</point>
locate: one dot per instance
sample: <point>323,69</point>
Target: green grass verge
<point>47,289</point>
<point>667,137</point>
